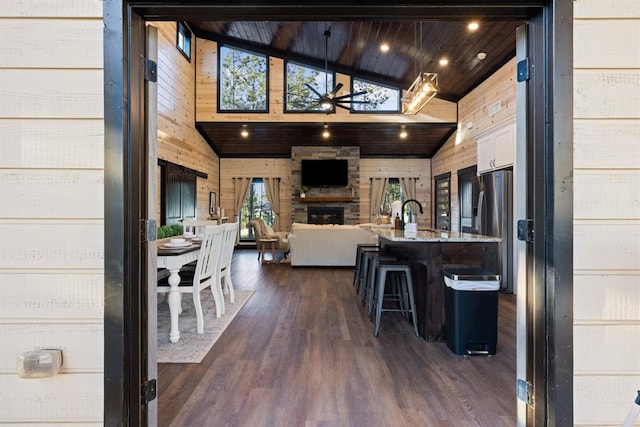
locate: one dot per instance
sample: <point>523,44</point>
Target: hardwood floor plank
<point>301,352</point>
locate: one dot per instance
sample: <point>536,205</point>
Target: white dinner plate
<point>177,245</point>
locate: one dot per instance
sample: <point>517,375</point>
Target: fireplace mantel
<point>325,199</point>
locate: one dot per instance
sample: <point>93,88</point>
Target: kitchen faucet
<point>402,211</point>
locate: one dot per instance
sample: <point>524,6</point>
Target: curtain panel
<point>408,186</point>
<point>240,190</point>
<point>272,187</point>
<point>378,188</point>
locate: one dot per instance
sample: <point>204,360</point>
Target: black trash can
<point>471,301</point>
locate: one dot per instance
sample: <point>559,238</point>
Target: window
<point>298,96</point>
<point>183,40</point>
<point>255,205</point>
<point>380,98</point>
<point>392,193</point>
<point>178,193</point>
<point>242,83</point>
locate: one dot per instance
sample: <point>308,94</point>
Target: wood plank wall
<point>397,168</point>
<point>606,210</point>
<point>206,90</point>
<point>178,140</point>
<point>257,168</point>
<point>51,217</point>
<point>230,168</point>
<point>459,151</point>
<point>51,167</point>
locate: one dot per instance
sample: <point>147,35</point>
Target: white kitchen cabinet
<point>496,146</point>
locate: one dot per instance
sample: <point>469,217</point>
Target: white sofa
<point>327,245</point>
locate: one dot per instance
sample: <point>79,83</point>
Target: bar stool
<point>364,267</point>
<point>405,291</point>
<point>357,273</point>
<point>371,259</point>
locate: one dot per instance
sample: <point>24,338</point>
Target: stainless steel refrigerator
<point>494,217</point>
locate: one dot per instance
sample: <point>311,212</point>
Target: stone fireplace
<point>325,215</point>
<point>348,201</point>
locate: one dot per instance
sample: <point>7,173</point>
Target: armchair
<point>262,231</point>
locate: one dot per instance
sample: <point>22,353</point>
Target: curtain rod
<point>261,177</point>
<point>397,177</point>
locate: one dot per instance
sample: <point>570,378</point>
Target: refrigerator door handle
<point>479,212</point>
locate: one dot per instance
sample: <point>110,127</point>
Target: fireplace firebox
<point>325,215</point>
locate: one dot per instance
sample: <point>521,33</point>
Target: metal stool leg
<point>412,304</point>
<point>382,278</point>
<point>373,273</point>
<point>404,293</point>
<point>358,270</point>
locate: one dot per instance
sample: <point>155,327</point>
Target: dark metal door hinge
<point>150,70</point>
<point>523,70</point>
<point>525,230</point>
<point>148,230</point>
<point>525,391</point>
<point>148,392</point>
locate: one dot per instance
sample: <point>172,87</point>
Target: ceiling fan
<point>329,100</point>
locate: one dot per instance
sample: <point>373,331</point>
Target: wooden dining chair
<point>230,236</point>
<point>196,226</point>
<point>205,275</point>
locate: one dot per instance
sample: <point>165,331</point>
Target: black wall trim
<point>116,404</point>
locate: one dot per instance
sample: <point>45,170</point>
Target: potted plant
<point>165,231</point>
<point>302,190</point>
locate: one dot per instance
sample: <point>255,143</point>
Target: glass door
<point>443,201</point>
<point>468,194</point>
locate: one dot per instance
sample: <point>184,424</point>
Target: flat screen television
<point>325,173</point>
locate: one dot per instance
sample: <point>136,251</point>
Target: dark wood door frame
<point>549,161</point>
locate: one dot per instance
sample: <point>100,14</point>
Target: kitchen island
<point>431,251</point>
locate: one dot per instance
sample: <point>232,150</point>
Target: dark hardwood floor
<point>301,352</point>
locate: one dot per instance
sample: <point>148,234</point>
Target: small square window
<point>183,40</point>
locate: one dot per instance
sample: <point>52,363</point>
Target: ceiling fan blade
<point>341,106</point>
<point>364,92</point>
<point>350,95</point>
<point>335,90</point>
<point>351,101</point>
<point>313,90</point>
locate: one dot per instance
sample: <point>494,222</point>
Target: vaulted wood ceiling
<point>354,49</point>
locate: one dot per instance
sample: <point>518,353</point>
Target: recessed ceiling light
<point>473,26</point>
<point>244,132</point>
<point>481,55</point>
<point>384,47</point>
<point>403,133</point>
<point>325,132</point>
<point>444,61</point>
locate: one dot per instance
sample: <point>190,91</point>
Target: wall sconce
<point>421,91</point>
<point>39,363</point>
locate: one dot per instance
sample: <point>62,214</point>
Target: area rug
<point>192,346</point>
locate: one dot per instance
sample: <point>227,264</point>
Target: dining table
<point>173,259</point>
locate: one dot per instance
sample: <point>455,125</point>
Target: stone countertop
<point>432,235</point>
